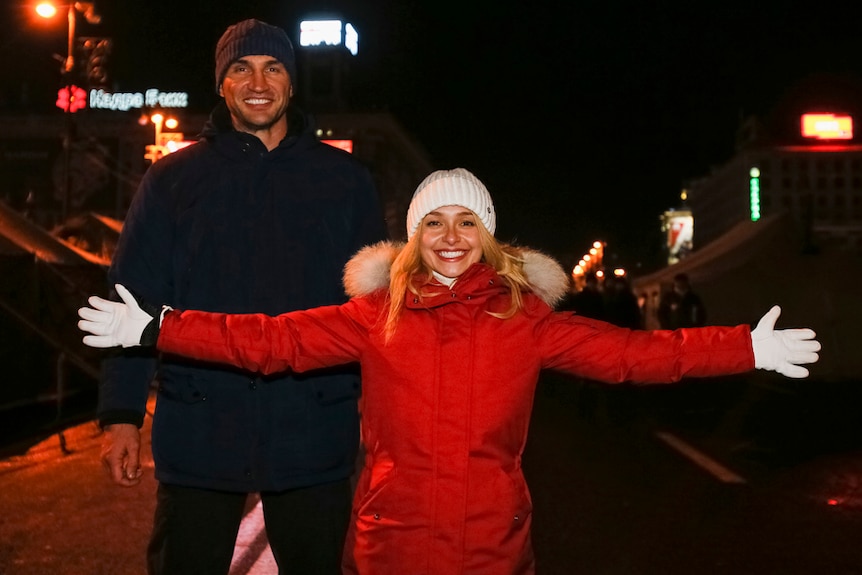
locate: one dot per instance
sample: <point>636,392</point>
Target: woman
<point>451,331</point>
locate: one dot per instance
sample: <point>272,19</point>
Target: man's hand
<point>121,453</point>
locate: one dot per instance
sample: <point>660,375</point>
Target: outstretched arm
<point>602,352</point>
<point>299,341</point>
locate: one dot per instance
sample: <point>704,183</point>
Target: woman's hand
<point>130,323</point>
<point>783,350</point>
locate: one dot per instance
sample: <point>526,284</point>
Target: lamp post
<point>49,10</point>
<point>158,148</point>
<point>88,9</point>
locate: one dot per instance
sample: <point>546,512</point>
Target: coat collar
<point>219,130</point>
<point>368,272</point>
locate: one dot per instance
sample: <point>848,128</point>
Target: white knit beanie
<point>456,187</point>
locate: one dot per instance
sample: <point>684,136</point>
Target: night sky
<point>584,118</point>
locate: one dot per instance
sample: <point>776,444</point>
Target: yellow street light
<point>88,9</point>
<point>49,10</point>
<point>46,10</point>
<point>159,122</point>
<point>158,149</point>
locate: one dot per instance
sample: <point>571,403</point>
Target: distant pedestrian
<point>451,331</point>
<point>681,307</point>
<point>621,303</point>
<point>587,302</point>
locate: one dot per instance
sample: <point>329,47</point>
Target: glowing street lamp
<point>49,10</point>
<point>158,121</point>
<point>158,149</point>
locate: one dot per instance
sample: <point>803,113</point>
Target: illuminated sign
<point>173,141</point>
<point>346,145</point>
<point>754,193</point>
<point>329,33</point>
<point>351,39</point>
<point>167,143</point>
<point>152,98</point>
<point>71,99</point>
<point>679,227</point>
<point>827,127</point>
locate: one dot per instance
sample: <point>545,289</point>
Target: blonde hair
<point>506,260</point>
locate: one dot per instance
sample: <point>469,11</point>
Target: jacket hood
<point>368,271</point>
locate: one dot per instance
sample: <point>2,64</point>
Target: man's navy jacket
<point>225,225</point>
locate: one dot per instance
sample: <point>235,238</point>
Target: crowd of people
<point>611,300</point>
<point>228,293</point>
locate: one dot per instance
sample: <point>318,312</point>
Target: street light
<point>158,149</point>
<point>49,10</point>
<point>159,121</point>
<point>88,9</point>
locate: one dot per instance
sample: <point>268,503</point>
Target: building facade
<point>803,160</point>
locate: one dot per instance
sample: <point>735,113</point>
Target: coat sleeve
<point>597,350</point>
<point>298,341</point>
<point>142,263</point>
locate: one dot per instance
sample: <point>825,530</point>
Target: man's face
<point>257,90</point>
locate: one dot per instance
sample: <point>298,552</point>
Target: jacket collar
<point>473,287</point>
<point>219,130</point>
<point>368,272</point>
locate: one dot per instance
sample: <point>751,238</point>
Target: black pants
<point>194,531</point>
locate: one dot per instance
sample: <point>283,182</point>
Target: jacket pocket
<point>181,388</point>
<point>372,485</point>
<point>335,389</point>
<point>515,494</point>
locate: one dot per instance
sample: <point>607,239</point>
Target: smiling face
<point>257,90</point>
<point>449,242</point>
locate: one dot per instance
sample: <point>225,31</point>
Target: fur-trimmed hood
<point>368,271</point>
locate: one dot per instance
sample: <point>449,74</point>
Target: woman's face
<point>449,241</point>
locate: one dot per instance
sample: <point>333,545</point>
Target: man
<point>681,307</point>
<point>259,216</point>
<point>621,304</point>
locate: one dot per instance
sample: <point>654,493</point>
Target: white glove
<point>783,350</point>
<point>112,323</point>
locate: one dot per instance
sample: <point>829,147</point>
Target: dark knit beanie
<point>253,38</point>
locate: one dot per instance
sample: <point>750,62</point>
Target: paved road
<point>735,481</point>
<point>746,487</point>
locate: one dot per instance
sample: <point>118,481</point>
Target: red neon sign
<point>346,145</point>
<point>71,99</point>
<point>827,127</point>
